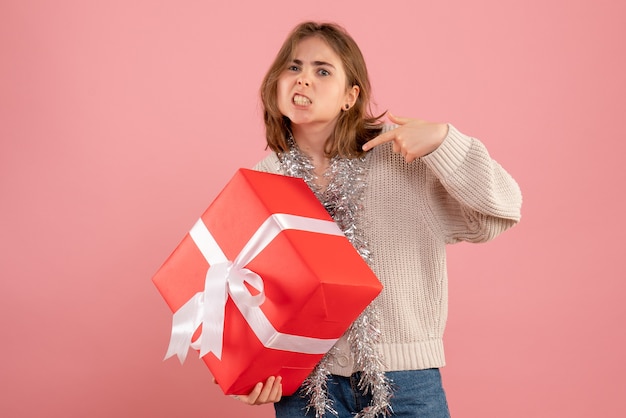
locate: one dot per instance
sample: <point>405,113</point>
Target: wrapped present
<point>264,284</point>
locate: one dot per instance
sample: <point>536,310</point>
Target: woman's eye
<point>293,68</point>
<point>324,72</point>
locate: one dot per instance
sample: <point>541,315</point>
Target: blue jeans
<point>417,393</point>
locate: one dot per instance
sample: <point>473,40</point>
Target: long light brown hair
<point>355,126</point>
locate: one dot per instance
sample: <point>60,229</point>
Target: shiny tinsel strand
<point>343,198</point>
<point>316,390</point>
<point>363,337</point>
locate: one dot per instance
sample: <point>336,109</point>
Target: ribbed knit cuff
<point>445,160</point>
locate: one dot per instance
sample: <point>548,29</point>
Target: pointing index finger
<point>380,139</point>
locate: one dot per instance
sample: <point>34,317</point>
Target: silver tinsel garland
<point>342,198</point>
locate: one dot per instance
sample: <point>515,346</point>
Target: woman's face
<point>312,88</point>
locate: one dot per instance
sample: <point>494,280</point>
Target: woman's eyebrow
<point>314,63</point>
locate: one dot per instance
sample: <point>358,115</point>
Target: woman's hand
<point>269,392</point>
<point>413,138</point>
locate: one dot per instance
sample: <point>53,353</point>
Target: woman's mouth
<point>301,100</point>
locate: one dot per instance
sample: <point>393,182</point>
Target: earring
<point>347,106</point>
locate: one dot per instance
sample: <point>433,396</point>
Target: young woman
<point>400,192</point>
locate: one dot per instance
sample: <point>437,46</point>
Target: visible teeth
<point>301,100</point>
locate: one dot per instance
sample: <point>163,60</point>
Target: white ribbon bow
<point>226,278</point>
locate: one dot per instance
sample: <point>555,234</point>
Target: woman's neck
<point>313,143</point>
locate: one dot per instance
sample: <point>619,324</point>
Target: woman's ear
<point>351,95</point>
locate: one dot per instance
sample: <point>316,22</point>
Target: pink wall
<point>121,120</point>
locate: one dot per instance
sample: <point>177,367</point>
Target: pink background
<point>121,120</point>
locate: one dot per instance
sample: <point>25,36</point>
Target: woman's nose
<point>303,82</point>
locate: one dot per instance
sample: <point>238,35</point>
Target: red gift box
<point>264,284</point>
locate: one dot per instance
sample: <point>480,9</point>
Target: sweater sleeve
<point>270,164</point>
<point>474,199</point>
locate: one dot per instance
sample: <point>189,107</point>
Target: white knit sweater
<point>410,212</point>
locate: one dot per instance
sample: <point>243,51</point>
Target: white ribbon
<point>226,278</point>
